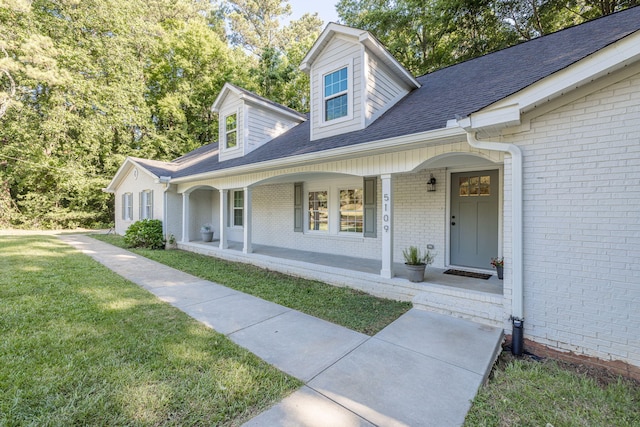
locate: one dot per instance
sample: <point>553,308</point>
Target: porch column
<point>387,226</point>
<point>224,215</point>
<point>185,217</point>
<point>246,221</point>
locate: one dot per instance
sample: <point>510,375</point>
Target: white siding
<point>204,208</point>
<point>174,214</point>
<point>582,224</point>
<point>339,53</point>
<point>133,185</point>
<point>256,125</point>
<point>397,162</point>
<point>263,126</point>
<point>232,104</point>
<point>383,89</point>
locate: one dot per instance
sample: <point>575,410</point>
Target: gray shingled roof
<point>456,90</point>
<point>267,101</point>
<point>159,168</point>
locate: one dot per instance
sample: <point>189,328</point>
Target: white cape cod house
<point>531,153</point>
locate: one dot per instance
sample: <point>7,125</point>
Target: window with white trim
<point>335,99</point>
<point>238,208</point>
<point>318,210</point>
<point>127,206</point>
<point>351,210</point>
<point>146,204</point>
<point>231,130</point>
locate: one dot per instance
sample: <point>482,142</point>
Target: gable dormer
<point>248,121</point>
<point>354,80</point>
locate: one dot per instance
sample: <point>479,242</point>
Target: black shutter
<point>370,217</point>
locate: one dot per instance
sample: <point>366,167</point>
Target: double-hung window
<point>318,211</point>
<point>146,204</point>
<point>351,210</point>
<point>127,206</point>
<point>342,207</point>
<point>238,208</point>
<point>231,130</point>
<point>336,87</point>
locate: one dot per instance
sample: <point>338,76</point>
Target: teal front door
<point>474,218</point>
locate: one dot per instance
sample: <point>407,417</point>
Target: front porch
<point>464,297</point>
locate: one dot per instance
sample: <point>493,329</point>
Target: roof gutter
<point>517,299</point>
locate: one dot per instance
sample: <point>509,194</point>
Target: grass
<point>82,346</point>
<point>525,392</point>
<point>347,307</point>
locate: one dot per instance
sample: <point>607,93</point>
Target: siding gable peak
<point>248,121</point>
<point>354,80</point>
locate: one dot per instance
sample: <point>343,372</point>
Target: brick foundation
<point>614,366</point>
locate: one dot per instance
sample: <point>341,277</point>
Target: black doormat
<point>468,274</point>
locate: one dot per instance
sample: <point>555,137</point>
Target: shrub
<point>146,233</point>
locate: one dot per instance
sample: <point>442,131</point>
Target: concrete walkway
<point>422,370</point>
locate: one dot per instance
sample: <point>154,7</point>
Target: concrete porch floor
<point>364,265</point>
<point>478,300</point>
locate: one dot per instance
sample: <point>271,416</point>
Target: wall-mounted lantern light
<point>431,184</point>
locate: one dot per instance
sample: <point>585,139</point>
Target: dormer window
<point>336,94</point>
<point>231,130</point>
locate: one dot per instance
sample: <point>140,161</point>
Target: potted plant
<point>498,264</point>
<point>207,233</point>
<point>416,262</point>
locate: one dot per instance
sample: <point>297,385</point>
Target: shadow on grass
<point>83,346</point>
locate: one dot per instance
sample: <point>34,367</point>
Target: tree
<point>274,51</point>
<point>425,36</point>
<point>255,24</point>
<point>299,36</point>
<point>86,96</point>
<point>185,73</point>
<point>534,18</point>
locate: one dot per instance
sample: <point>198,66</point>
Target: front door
<point>474,218</point>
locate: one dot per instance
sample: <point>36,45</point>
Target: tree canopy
<point>85,83</point>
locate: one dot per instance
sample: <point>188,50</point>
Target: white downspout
<point>517,303</point>
<point>165,214</point>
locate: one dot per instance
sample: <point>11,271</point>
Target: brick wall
<point>273,225</point>
<point>419,215</point>
<point>582,225</point>
<point>418,220</point>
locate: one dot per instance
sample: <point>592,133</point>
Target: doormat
<point>468,274</point>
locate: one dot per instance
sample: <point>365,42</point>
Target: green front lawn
<point>548,393</point>
<point>347,307</point>
<point>82,346</point>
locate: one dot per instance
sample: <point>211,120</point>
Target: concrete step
<point>480,307</point>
